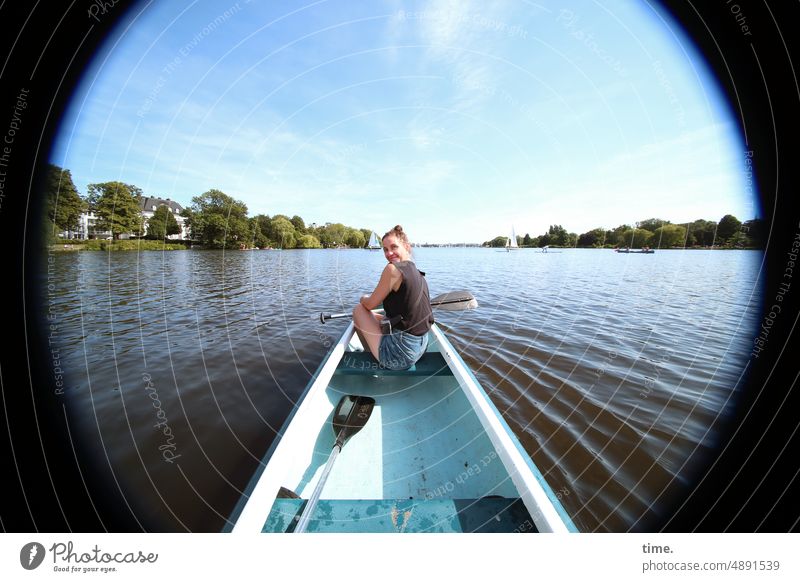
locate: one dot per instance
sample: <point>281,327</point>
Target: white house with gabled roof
<point>148,206</point>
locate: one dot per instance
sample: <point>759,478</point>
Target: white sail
<point>374,242</point>
<point>512,241</point>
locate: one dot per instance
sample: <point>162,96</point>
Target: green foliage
<point>354,239</point>
<point>128,245</point>
<point>496,242</point>
<point>558,235</point>
<point>756,232</point>
<point>728,226</point>
<point>702,233</point>
<point>162,224</point>
<point>652,224</point>
<point>668,236</point>
<point>117,207</point>
<point>64,204</point>
<point>308,241</point>
<point>282,232</point>
<point>614,236</point>
<point>332,235</point>
<point>299,225</point>
<point>635,238</point>
<point>739,240</point>
<point>219,221</point>
<point>526,240</point>
<point>594,238</point>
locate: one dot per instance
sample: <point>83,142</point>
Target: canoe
<point>434,456</point>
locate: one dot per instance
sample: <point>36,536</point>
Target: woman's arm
<point>390,280</point>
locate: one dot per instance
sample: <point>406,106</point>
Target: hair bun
<point>398,232</point>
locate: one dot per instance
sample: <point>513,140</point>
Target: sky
<point>457,119</point>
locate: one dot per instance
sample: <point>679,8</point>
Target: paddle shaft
<point>323,317</point>
<point>305,518</point>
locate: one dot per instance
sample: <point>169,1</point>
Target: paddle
<point>451,301</point>
<point>350,416</point>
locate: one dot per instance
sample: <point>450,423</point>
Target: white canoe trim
<point>261,499</point>
<point>544,507</point>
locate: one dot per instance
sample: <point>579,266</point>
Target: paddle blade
<point>455,301</point>
<point>350,416</point>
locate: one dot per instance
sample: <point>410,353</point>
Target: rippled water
<point>614,370</point>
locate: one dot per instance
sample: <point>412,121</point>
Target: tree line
<point>214,219</point>
<point>729,232</point>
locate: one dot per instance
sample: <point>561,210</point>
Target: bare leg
<point>368,328</point>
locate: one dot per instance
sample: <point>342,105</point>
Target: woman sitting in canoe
<point>398,339</point>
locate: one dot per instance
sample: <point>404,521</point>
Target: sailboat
<point>511,244</point>
<point>374,242</point>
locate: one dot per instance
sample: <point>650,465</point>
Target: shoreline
<point>160,247</point>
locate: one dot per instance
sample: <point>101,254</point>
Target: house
<point>147,205</point>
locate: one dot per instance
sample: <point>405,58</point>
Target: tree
<point>616,236</point>
<point>255,236</point>
<point>64,204</point>
<point>558,235</point>
<point>594,238</point>
<point>728,226</point>
<point>543,240</point>
<point>299,225</point>
<point>260,228</point>
<point>308,241</point>
<point>219,221</point>
<point>572,240</point>
<point>652,224</point>
<point>354,239</point>
<point>162,224</point>
<point>367,234</point>
<point>332,235</point>
<point>498,241</point>
<point>635,238</point>
<point>117,206</point>
<point>668,236</point>
<point>283,232</point>
<point>756,231</point>
<point>739,240</point>
<point>702,233</point>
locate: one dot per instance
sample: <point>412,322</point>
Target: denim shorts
<point>400,350</point>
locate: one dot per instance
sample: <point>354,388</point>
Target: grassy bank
<point>117,245</point>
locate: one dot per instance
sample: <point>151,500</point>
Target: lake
<point>616,371</point>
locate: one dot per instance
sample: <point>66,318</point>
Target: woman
<point>398,339</point>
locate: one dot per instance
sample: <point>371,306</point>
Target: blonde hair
<point>398,232</point>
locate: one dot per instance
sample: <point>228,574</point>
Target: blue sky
<point>453,118</point>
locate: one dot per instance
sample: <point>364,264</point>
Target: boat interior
<point>422,462</point>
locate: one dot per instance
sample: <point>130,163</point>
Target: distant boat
<point>512,245</point>
<point>641,252</point>
<point>374,243</point>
